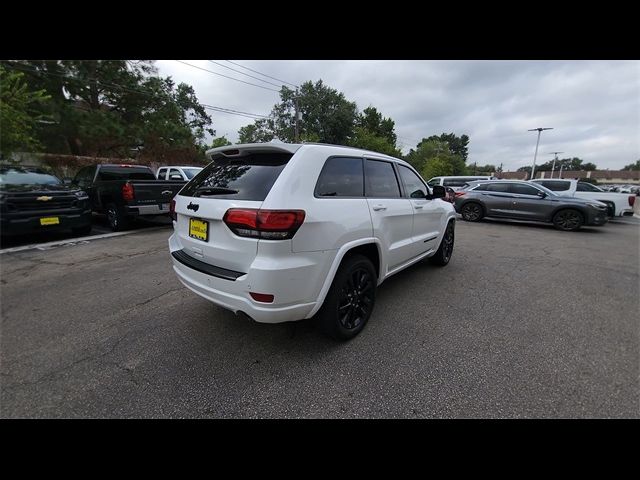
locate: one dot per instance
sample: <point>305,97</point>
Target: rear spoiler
<point>246,148</point>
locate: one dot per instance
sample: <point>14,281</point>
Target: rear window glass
<point>341,177</point>
<point>249,177</point>
<point>557,186</point>
<point>125,173</point>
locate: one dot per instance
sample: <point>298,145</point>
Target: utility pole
<point>539,130</point>
<point>554,161</point>
<point>295,101</point>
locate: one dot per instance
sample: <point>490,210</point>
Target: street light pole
<point>554,161</point>
<point>539,130</point>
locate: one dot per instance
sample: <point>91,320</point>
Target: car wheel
<point>117,220</point>
<point>82,231</point>
<point>568,220</point>
<point>472,212</point>
<point>350,300</point>
<point>443,255</point>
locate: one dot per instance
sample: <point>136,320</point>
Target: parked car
<point>521,200</point>
<point>283,232</point>
<point>178,173</point>
<point>457,182</point>
<point>124,192</point>
<point>618,204</point>
<point>33,200</point>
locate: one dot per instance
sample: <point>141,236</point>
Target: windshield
<point>16,176</point>
<point>191,172</point>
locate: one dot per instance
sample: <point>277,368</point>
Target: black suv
<point>33,200</point>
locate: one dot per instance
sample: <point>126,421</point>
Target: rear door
<point>391,215</point>
<point>227,182</point>
<point>427,214</point>
<point>496,198</point>
<point>528,205</point>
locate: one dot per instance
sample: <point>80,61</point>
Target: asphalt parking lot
<point>525,321</point>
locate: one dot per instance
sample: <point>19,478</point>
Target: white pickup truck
<point>619,203</point>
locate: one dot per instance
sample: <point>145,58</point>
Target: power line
<point>210,107</point>
<point>264,74</point>
<point>226,76</point>
<point>242,73</point>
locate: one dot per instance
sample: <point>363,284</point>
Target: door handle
<point>379,207</point>
<point>418,207</point>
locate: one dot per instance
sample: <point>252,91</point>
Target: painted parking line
<point>76,241</point>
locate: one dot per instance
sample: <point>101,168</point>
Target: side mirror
<point>541,194</point>
<point>439,192</point>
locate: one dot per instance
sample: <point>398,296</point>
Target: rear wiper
<point>215,191</point>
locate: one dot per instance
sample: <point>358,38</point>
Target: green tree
<point>327,117</point>
<point>457,145</point>
<point>428,150</point>
<point>374,132</point>
<point>633,166</point>
<point>114,107</point>
<point>19,113</point>
<point>220,142</point>
<point>437,166</point>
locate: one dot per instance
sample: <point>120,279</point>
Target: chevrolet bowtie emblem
<point>44,198</point>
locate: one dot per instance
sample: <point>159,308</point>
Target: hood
<point>581,201</point>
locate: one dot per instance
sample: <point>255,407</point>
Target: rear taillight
<point>632,200</point>
<point>265,224</point>
<point>460,194</point>
<point>127,192</point>
<point>172,210</point>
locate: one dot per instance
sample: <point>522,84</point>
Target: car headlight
<point>598,206</point>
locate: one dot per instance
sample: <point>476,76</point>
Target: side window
<point>522,189</point>
<point>586,187</point>
<point>84,176</point>
<point>174,171</point>
<point>413,185</point>
<point>162,173</point>
<point>497,187</point>
<point>341,177</point>
<point>557,186</point>
<point>380,179</point>
<point>433,182</point>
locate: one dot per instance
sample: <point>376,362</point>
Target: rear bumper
<point>298,286</point>
<point>148,209</point>
<point>21,224</point>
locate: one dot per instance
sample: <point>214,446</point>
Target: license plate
<point>49,221</point>
<point>199,229</point>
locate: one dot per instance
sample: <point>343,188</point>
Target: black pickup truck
<point>33,200</point>
<point>123,192</point>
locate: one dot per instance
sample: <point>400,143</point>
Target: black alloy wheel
<point>568,220</point>
<point>356,298</point>
<point>471,212</point>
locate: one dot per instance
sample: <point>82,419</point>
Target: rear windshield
<point>125,173</point>
<point>249,177</point>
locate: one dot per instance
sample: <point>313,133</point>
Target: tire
<point>472,212</point>
<point>568,220</point>
<point>445,250</point>
<point>118,221</point>
<point>82,231</point>
<point>356,280</point>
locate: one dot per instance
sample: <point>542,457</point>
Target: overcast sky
<point>593,106</point>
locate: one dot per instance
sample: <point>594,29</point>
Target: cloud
<point>593,106</point>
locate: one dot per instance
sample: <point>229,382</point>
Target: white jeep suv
<point>283,232</point>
